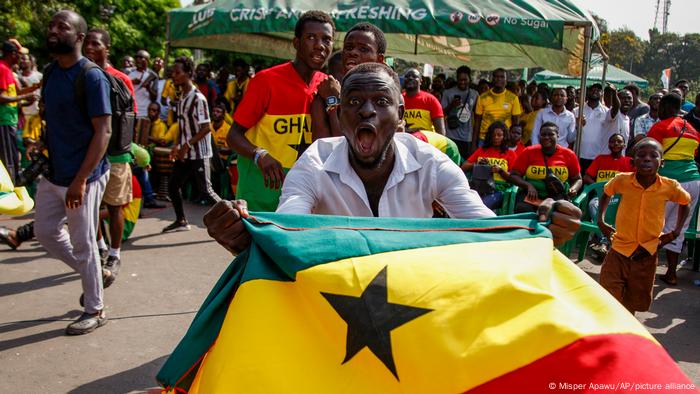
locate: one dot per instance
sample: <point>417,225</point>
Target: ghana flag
<point>132,209</point>
<point>326,304</point>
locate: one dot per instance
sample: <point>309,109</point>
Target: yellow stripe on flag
<point>495,307</point>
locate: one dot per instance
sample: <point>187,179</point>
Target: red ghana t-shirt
<point>505,160</point>
<point>420,110</point>
<point>563,163</point>
<point>276,110</point>
<point>605,167</point>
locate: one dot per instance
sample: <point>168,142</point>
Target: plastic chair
<point>508,204</point>
<point>589,224</point>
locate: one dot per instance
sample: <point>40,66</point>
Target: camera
<point>38,166</point>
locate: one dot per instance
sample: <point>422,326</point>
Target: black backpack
<point>121,100</point>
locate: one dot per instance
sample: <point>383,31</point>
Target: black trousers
<point>182,170</point>
<point>9,154</point>
<point>464,148</point>
<point>584,163</point>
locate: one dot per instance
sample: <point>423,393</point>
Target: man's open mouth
<point>366,134</point>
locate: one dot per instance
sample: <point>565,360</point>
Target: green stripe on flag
<point>330,238</point>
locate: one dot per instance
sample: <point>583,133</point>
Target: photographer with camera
<point>458,105</point>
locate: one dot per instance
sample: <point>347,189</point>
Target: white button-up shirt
<point>620,124</point>
<point>593,131</point>
<point>566,121</point>
<point>322,181</point>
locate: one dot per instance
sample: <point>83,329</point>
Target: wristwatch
<point>332,103</point>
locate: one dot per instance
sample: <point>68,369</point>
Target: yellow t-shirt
<point>529,120</point>
<point>169,90</point>
<point>234,88</point>
<point>32,128</point>
<point>497,106</point>
<point>160,131</point>
<point>220,134</point>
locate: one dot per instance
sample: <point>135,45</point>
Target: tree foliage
<point>133,24</point>
<point>680,53</point>
<point>625,49</point>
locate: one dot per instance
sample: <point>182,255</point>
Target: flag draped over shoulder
<point>328,303</point>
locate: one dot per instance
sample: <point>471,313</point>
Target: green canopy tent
<point>614,75</point>
<point>484,34</point>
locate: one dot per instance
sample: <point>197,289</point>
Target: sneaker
<point>8,238</point>
<point>113,264</point>
<point>153,204</point>
<point>87,323</point>
<point>600,250</point>
<point>177,226</point>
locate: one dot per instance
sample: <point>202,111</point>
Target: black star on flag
<point>371,318</point>
<point>301,146</point>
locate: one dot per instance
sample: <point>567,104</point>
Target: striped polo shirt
<point>192,113</point>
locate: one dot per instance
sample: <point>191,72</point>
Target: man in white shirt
<point>142,78</point>
<point>617,121</point>
<point>560,116</point>
<point>373,170</point>
<point>642,124</point>
<point>595,115</point>
<point>325,181</point>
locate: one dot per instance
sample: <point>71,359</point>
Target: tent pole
<point>167,35</point>
<point>587,32</point>
<point>606,58</point>
<point>605,71</point>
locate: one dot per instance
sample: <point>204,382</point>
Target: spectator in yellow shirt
<point>159,133</point>
<point>495,104</point>
<point>220,168</point>
<point>220,128</point>
<point>170,92</point>
<point>538,101</point>
<point>236,88</point>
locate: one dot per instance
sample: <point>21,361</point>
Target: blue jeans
<point>493,200</point>
<point>146,189</point>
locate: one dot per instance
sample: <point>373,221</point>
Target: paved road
<point>163,280</point>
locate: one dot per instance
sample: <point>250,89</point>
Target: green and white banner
<point>483,34</point>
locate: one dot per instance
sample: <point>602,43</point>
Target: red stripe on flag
<point>135,187</point>
<point>597,364</point>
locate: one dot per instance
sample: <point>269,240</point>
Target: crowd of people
<point>338,134</point>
